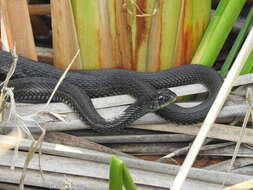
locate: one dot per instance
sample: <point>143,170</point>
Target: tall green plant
<point>145,35</point>
<point>217,31</point>
<point>86,14</point>
<point>236,47</point>
<point>248,67</point>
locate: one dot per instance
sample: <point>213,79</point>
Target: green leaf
<point>87,21</point>
<point>116,174</point>
<point>127,179</point>
<point>217,32</point>
<point>248,67</point>
<point>237,45</point>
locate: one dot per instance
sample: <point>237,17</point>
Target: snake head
<point>162,98</point>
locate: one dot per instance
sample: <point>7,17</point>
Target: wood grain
<point>18,23</point>
<point>70,140</point>
<point>218,131</point>
<point>65,41</point>
<point>247,185</point>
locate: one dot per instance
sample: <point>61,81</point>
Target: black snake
<point>34,81</point>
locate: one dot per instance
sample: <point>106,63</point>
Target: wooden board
<point>19,26</point>
<point>247,185</point>
<point>73,123</point>
<point>218,131</point>
<point>81,162</point>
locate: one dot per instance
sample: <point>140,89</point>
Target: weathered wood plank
<point>218,131</point>
<point>148,149</point>
<point>196,176</point>
<point>73,123</point>
<point>84,168</point>
<point>142,177</point>
<point>52,180</point>
<point>229,151</point>
<point>247,185</point>
<point>139,138</point>
<point>70,140</point>
<point>6,186</point>
<point>223,166</point>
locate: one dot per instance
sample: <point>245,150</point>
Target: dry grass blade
<point>180,152</point>
<point>35,146</point>
<point>7,79</point>
<point>249,97</point>
<point>4,93</point>
<point>62,77</point>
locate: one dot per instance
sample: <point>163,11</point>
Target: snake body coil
<point>39,89</point>
<point>108,82</point>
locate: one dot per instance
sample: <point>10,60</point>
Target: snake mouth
<point>169,102</point>
<point>159,105</point>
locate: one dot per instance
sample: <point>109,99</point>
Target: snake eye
<point>161,98</point>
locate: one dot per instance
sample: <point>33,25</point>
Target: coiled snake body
<point>83,85</point>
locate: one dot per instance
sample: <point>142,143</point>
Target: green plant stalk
<point>112,25</point>
<point>194,18</point>
<point>131,9</point>
<point>248,67</point>
<point>120,35</point>
<point>216,35</point>
<point>127,179</point>
<point>201,13</point>
<point>170,26</point>
<point>86,14</point>
<point>140,31</point>
<point>209,31</point>
<point>163,34</point>
<point>237,45</point>
<point>116,174</point>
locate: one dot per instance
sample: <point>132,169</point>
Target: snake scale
<point>33,82</point>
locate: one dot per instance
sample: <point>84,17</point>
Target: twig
<point>62,77</point>
<point>180,151</point>
<point>249,97</point>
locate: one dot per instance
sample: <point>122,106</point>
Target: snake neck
<point>91,117</point>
